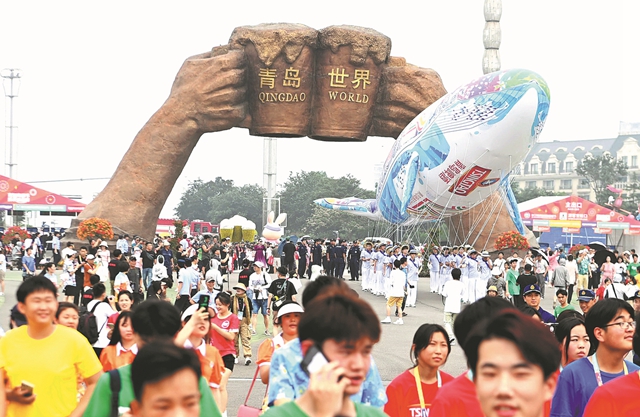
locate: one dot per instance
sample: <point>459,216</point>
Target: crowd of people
<point>124,346</point>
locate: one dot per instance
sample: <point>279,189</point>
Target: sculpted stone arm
<point>208,95</point>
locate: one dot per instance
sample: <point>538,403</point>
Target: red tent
<point>19,196</point>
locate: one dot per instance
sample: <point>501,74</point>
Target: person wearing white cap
<point>413,268</point>
<point>287,319</point>
<point>473,271</point>
<point>367,271</point>
<point>259,283</point>
<point>211,363</point>
<point>104,257</point>
<point>485,266</point>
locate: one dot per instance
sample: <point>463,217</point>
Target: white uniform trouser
<point>366,278</point>
<point>434,280</point>
<point>481,288</point>
<point>412,293</point>
<point>464,279</point>
<point>378,283</point>
<point>387,285</point>
<point>472,284</point>
<point>445,276</point>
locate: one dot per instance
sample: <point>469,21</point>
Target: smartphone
<point>204,301</point>
<point>27,387</point>
<point>313,360</point>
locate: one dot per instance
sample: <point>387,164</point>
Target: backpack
<point>88,325</point>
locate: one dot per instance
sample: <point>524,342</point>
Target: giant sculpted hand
<point>208,95</point>
<point>405,91</point>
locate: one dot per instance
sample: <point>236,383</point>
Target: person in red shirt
<point>412,392</point>
<point>458,397</point>
<point>514,359</point>
<point>224,330</point>
<point>620,397</point>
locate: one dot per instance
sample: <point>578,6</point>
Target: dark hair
<point>322,283</point>
<point>127,293</point>
<point>601,314</point>
<point>154,318</point>
<point>225,298</point>
<point>570,257</point>
<point>116,253</point>
<point>64,305</point>
<point>339,316</point>
<point>475,312</point>
<point>563,332</point>
<point>422,338</point>
<point>530,311</point>
<point>35,284</point>
<point>98,290</point>
<point>282,270</point>
<point>398,263</point>
<point>157,361</point>
<point>567,314</point>
<point>123,267</point>
<point>83,247</point>
<point>47,266</point>
<point>455,273</point>
<point>562,291</point>
<point>533,339</point>
<point>527,267</point>
<point>115,335</point>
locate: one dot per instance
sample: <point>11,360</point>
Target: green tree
<point>601,171</point>
<point>300,189</point>
<point>323,223</point>
<point>194,203</point>
<point>530,193</point>
<point>245,201</point>
<point>631,196</point>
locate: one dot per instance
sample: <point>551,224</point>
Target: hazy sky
<point>93,75</point>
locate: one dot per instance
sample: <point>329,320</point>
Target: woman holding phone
<point>224,330</point>
<point>413,391</point>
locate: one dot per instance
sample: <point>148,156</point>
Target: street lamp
<point>11,85</point>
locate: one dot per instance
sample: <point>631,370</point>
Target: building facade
<point>552,165</point>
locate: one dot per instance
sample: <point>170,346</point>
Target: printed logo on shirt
<point>224,324</point>
<point>417,411</point>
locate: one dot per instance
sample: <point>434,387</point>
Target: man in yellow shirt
<point>45,356</point>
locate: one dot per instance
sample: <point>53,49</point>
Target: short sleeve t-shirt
<point>618,398</point>
<point>54,381</point>
<point>102,312</point>
<point>404,400</point>
<point>576,384</point>
<point>457,398</point>
<point>230,324</point>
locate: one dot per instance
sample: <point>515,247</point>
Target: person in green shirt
<point>561,295</point>
<point>152,320</point>
<point>337,333</point>
<point>633,266</point>
<point>513,289</point>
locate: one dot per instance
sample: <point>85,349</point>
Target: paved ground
<point>391,354</point>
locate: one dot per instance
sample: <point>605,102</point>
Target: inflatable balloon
<point>458,151</point>
<point>273,230</point>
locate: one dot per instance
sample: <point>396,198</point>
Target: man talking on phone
<point>337,334</point>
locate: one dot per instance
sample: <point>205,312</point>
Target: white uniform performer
<point>367,270</point>
<point>474,275</point>
<point>445,270</point>
<point>377,284</point>
<point>485,274</point>
<point>434,269</point>
<point>413,268</point>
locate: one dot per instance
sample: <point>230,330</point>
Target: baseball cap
<point>586,295</point>
<point>291,307</point>
<point>189,311</point>
<point>210,278</point>
<point>532,288</point>
<point>166,242</point>
<point>258,264</point>
<point>413,251</point>
<point>484,253</point>
<point>90,256</point>
<point>636,295</point>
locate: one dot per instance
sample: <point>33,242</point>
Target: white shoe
<point>386,321</point>
<point>235,360</point>
<point>247,361</point>
<point>399,321</point>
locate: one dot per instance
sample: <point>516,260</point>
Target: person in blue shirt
<point>610,327</point>
<point>28,264</point>
<point>531,295</point>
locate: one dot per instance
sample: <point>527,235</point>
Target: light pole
<point>11,85</point>
<point>492,36</point>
